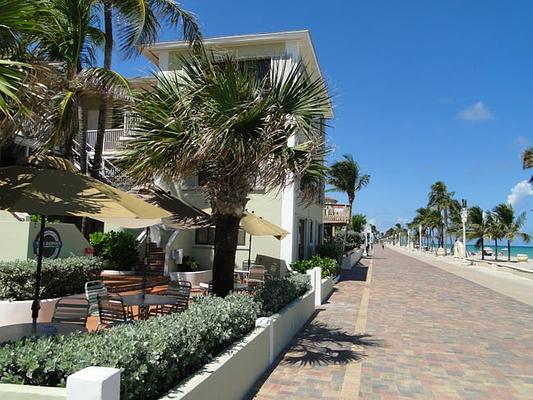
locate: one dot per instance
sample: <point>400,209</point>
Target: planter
<point>327,288</point>
<point>19,312</point>
<point>195,277</point>
<point>233,374</point>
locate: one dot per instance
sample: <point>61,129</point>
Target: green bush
<point>332,250</point>
<point>60,277</point>
<point>329,266</point>
<point>119,249</point>
<point>154,355</point>
<point>277,293</point>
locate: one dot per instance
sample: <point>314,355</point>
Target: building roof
<point>301,37</point>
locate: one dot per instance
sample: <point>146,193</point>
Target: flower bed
<point>329,266</point>
<point>155,355</point>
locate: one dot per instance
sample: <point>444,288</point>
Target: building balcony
<point>336,213</point>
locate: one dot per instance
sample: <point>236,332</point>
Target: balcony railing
<point>112,139</point>
<point>336,214</point>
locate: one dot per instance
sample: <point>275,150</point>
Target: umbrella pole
<point>250,252</point>
<point>35,306</point>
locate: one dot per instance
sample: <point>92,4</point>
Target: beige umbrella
<point>52,186</point>
<point>257,226</point>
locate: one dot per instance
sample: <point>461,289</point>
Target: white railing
<point>112,139</point>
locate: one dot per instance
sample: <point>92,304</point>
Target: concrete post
<point>94,383</point>
<point>267,322</point>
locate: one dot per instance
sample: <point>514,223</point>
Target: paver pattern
<point>314,365</point>
<point>444,337</point>
<point>429,335</point>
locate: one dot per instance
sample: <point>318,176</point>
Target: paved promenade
<point>409,331</point>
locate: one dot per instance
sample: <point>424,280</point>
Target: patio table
<point>241,274</point>
<point>144,301</point>
<point>18,331</point>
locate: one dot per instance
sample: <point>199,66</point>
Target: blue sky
<point>423,91</point>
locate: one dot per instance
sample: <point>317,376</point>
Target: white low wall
<point>327,288</point>
<point>25,392</point>
<point>195,277</point>
<point>351,258</point>
<point>19,312</point>
<point>234,373</point>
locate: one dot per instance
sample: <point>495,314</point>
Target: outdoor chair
<point>111,310</point>
<point>93,289</point>
<point>181,291</point>
<point>71,310</point>
<point>256,277</point>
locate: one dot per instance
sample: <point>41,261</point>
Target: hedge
<point>154,355</point>
<point>329,266</point>
<point>119,249</point>
<point>276,294</point>
<point>60,277</point>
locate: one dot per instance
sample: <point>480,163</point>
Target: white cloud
<point>519,193</point>
<point>402,220</point>
<point>475,112</point>
<point>521,142</point>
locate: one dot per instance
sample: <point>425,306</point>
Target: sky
<point>422,91</point>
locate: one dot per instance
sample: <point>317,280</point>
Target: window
<point>207,236</point>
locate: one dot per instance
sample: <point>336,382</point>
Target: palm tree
<point>69,45</point>
<point>139,23</point>
<point>358,223</point>
<point>511,226</point>
<point>219,120</point>
<point>345,176</point>
<point>478,228</point>
<point>494,231</point>
<point>527,158</point>
<point>441,200</point>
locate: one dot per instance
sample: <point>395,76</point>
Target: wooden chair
<point>93,289</point>
<point>256,277</point>
<point>111,310</point>
<point>71,310</point>
<point>181,293</point>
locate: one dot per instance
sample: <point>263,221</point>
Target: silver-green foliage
<point>277,293</point>
<point>154,355</point>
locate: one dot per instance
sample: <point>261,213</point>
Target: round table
<point>144,301</point>
<point>10,333</point>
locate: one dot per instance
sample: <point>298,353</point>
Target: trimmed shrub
<point>332,250</point>
<point>154,354</point>
<point>119,249</point>
<point>276,294</point>
<point>329,266</point>
<point>60,277</point>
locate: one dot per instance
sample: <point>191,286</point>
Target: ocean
<point>503,247</point>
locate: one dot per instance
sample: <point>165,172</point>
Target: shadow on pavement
<point>358,273</point>
<point>321,344</point>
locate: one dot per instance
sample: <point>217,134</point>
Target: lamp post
<point>408,238</point>
<point>464,218</point>
<point>420,238</point>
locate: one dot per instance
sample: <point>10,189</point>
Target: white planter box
<point>195,277</point>
<point>19,312</point>
<point>233,374</point>
<point>327,288</point>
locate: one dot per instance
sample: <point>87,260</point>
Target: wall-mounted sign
<point>51,245</point>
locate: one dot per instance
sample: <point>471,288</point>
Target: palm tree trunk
<point>83,138</point>
<point>226,237</point>
<point>482,249</point>
<point>496,249</point>
<point>346,230</point>
<point>508,250</point>
<point>102,112</point>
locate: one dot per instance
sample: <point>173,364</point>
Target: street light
<point>464,218</point>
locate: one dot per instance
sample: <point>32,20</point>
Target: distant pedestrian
<point>382,246</point>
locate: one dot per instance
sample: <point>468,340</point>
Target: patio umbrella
<point>258,226</point>
<point>52,186</point>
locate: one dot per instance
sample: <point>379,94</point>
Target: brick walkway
<point>429,334</point>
